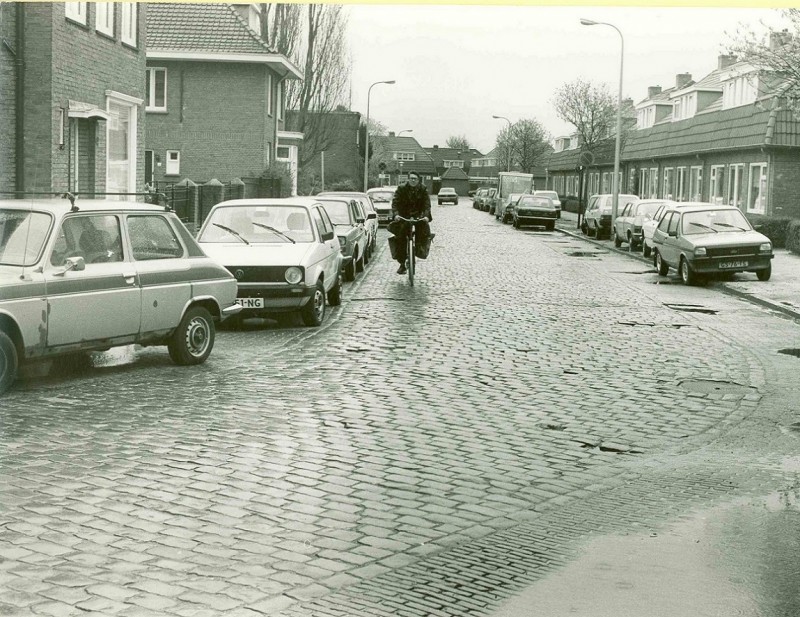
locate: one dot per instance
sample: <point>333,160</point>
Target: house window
<point>403,156</point>
<point>76,11</point>
<point>156,90</point>
<point>279,100</point>
<point>669,181</point>
<point>130,23</point>
<point>454,164</point>
<point>736,185</point>
<point>104,17</point>
<point>121,146</point>
<point>644,183</point>
<point>716,187</point>
<point>605,182</point>
<point>680,189</point>
<point>653,192</point>
<point>173,163</point>
<point>269,92</point>
<point>739,91</point>
<point>696,184</point>
<point>283,153</point>
<point>757,188</point>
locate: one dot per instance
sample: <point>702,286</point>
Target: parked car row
<point>697,239</point>
<point>96,274</point>
<point>524,209</point>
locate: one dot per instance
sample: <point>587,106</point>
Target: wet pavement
<point>437,450</point>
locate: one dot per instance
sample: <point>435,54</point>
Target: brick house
<point>401,155</point>
<point>484,168</point>
<point>445,158</point>
<point>455,178</point>
<point>215,95</point>
<point>343,163</point>
<point>726,138</point>
<point>71,96</point>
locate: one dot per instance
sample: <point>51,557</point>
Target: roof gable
<point>455,173</point>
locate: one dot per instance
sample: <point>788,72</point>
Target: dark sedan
<point>535,210</point>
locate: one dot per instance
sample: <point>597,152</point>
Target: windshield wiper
<point>704,226</point>
<point>729,225</point>
<point>232,232</point>
<point>275,231</point>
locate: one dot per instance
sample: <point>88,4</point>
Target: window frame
<point>150,91</point>
<point>173,169</point>
<point>105,11</point>
<point>696,183</point>
<point>763,176</point>
<point>129,25</point>
<point>77,12</point>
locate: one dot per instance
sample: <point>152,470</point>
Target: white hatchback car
<point>283,252</point>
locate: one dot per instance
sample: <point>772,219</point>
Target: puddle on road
<point>736,559</point>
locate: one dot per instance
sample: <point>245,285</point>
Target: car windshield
<point>714,220</point>
<point>22,236</point>
<point>381,196</point>
<point>338,211</point>
<point>258,224</point>
<point>648,209</point>
<point>550,194</point>
<point>448,191</point>
<point>535,202</point>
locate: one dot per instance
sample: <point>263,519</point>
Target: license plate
<point>732,264</point>
<point>251,303</point>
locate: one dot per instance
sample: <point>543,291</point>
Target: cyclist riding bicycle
<point>410,201</point>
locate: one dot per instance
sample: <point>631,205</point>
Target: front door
<point>103,301</point>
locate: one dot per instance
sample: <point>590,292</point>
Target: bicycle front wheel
<point>411,259</point>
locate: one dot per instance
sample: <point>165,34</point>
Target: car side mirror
<point>359,220</point>
<point>372,215</point>
<point>673,233</point>
<point>76,263</point>
<point>327,236</point>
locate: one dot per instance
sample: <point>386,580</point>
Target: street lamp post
<point>405,131</point>
<point>615,179</point>
<point>508,138</point>
<point>366,140</point>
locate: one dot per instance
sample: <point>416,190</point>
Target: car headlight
<point>342,242</point>
<point>293,275</point>
<point>765,248</point>
<point>700,251</point>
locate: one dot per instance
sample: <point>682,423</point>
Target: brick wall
<point>7,97</point>
<point>216,117</point>
<point>68,61</point>
<point>784,184</point>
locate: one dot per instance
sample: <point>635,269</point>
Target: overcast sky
<point>458,65</point>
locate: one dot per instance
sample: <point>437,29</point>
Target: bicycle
<point>410,248</point>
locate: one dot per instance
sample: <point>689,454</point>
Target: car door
<point>621,224</point>
<point>163,269</point>
<point>358,217</point>
<point>100,301</point>
<point>591,210</point>
<point>328,248</point>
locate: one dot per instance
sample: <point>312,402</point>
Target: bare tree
<point>775,55</point>
<point>504,144</point>
<point>591,109</point>
<point>530,143</point>
<point>459,142</point>
<point>281,27</point>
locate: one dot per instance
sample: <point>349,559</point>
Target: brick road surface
<point>427,451</point>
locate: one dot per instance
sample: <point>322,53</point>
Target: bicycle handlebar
<point>412,221</point>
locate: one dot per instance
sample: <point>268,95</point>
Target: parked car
<point>534,210</point>
<point>649,226</point>
<point>483,201</point>
<point>381,198</point>
<point>629,222</point>
<point>353,239</point>
<point>447,195</point>
<point>477,199</point>
<point>283,252</point>
<point>503,209</point>
<point>103,274</point>
<point>597,218</point>
<point>556,200</point>
<point>707,239</point>
<point>371,223</point>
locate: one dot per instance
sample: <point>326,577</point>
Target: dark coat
<point>411,202</point>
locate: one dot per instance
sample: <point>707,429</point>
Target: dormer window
<point>684,106</point>
<point>739,91</point>
<point>645,118</point>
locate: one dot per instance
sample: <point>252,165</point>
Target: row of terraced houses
<point>104,97</point>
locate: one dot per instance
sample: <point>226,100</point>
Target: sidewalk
<point>781,293</point>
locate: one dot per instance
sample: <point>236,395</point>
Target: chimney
<point>653,91</point>
<point>391,133</point>
<point>779,39</point>
<point>682,79</point>
<point>435,147</point>
<point>724,61</point>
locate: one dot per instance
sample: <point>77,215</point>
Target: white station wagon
<point>283,252</point>
<point>100,274</point>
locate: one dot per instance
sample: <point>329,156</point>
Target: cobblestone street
<point>428,451</point>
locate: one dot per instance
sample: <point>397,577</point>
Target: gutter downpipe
<point>19,155</point>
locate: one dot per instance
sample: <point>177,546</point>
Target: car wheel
<point>688,276</point>
<point>350,270</point>
<point>763,275</point>
<point>335,294</point>
<point>455,203</point>
<point>360,264</point>
<point>516,223</point>
<point>645,249</point>
<point>314,311</point>
<point>617,240</point>
<point>661,265</point>
<point>367,254</point>
<point>584,229</point>
<point>8,362</point>
<point>592,231</point>
<point>439,202</point>
<point>193,339</point>
<point>551,226</point>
